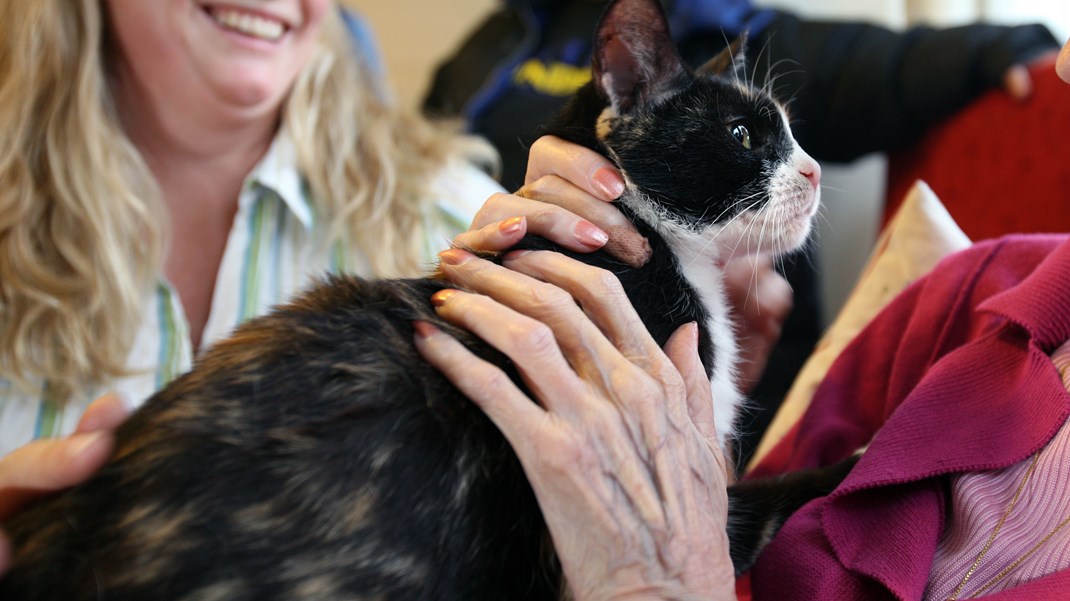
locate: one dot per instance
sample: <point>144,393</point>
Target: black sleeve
<point>856,88</point>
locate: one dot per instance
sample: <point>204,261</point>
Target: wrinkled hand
<point>50,465</point>
<point>566,198</point>
<point>621,451</point>
<point>761,300</point>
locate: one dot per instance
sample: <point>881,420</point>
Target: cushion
<point>920,234</point>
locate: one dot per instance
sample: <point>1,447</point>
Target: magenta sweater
<point>954,376</point>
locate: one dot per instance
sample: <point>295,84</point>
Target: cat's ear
<point>730,62</point>
<point>635,61</point>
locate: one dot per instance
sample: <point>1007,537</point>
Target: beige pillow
<point>915,240</point>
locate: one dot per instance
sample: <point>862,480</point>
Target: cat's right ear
<point>730,62</point>
<point>635,61</point>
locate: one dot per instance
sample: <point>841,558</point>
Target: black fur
<point>314,455</point>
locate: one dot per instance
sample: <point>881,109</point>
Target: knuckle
<point>487,382</point>
<point>602,287</point>
<point>564,454</point>
<point>547,186</point>
<point>541,144</point>
<point>550,297</point>
<point>495,203</point>
<point>606,284</point>
<point>535,338</point>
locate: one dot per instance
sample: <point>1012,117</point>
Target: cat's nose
<point>811,170</point>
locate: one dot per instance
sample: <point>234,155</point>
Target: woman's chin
<point>250,96</point>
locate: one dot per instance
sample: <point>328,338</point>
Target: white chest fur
<point>693,252</point>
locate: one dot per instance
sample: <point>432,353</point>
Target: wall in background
<point>415,35</point>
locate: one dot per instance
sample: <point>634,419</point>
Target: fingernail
<point>511,226</point>
<point>590,234</point>
<point>78,443</point>
<point>424,329</point>
<point>609,182</point>
<point>454,256</point>
<point>439,298</point>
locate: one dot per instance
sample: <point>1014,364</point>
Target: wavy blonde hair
<point>81,237</point>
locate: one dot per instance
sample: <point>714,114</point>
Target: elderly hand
<point>566,198</point>
<point>50,465</point>
<point>621,450</point>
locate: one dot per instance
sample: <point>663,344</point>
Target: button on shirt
<point>275,248</point>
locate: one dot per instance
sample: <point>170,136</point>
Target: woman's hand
<point>50,465</point>
<point>621,450</point>
<point>566,198</point>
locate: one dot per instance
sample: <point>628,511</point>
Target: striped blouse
<point>273,250</point>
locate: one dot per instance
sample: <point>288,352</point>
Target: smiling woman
<point>225,62</point>
<point>169,169</point>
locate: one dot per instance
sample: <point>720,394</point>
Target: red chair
<point>999,166</point>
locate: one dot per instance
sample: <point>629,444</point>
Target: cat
<point>314,455</point>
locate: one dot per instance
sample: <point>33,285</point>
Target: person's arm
<point>49,465</point>
<point>621,450</point>
<point>856,88</point>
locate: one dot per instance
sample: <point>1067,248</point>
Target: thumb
<point>49,465</point>
<point>105,413</point>
<point>682,350</point>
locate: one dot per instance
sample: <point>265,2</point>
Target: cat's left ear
<point>730,62</point>
<point>635,62</point>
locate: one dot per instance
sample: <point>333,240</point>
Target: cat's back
<point>311,455</point>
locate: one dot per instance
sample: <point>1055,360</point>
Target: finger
<point>682,350</point>
<point>625,242</point>
<point>588,349</point>
<point>529,343</point>
<point>600,295</point>
<point>584,167</point>
<point>485,384</point>
<point>50,465</point>
<point>493,237</point>
<point>1017,82</point>
<point>105,413</point>
<point>545,219</point>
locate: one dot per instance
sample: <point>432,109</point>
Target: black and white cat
<point>314,455</point>
<point>713,173</point>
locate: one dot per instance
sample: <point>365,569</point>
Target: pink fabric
<point>909,386</point>
<point>980,499</point>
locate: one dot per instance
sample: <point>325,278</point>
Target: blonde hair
<point>81,232</point>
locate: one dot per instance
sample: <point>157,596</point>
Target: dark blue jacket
<point>854,87</point>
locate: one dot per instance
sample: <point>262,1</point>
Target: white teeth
<point>252,25</point>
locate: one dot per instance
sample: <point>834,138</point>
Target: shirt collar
<point>277,171</point>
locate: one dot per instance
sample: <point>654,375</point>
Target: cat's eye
<point>742,135</point>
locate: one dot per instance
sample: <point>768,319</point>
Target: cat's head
<point>710,160</point>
